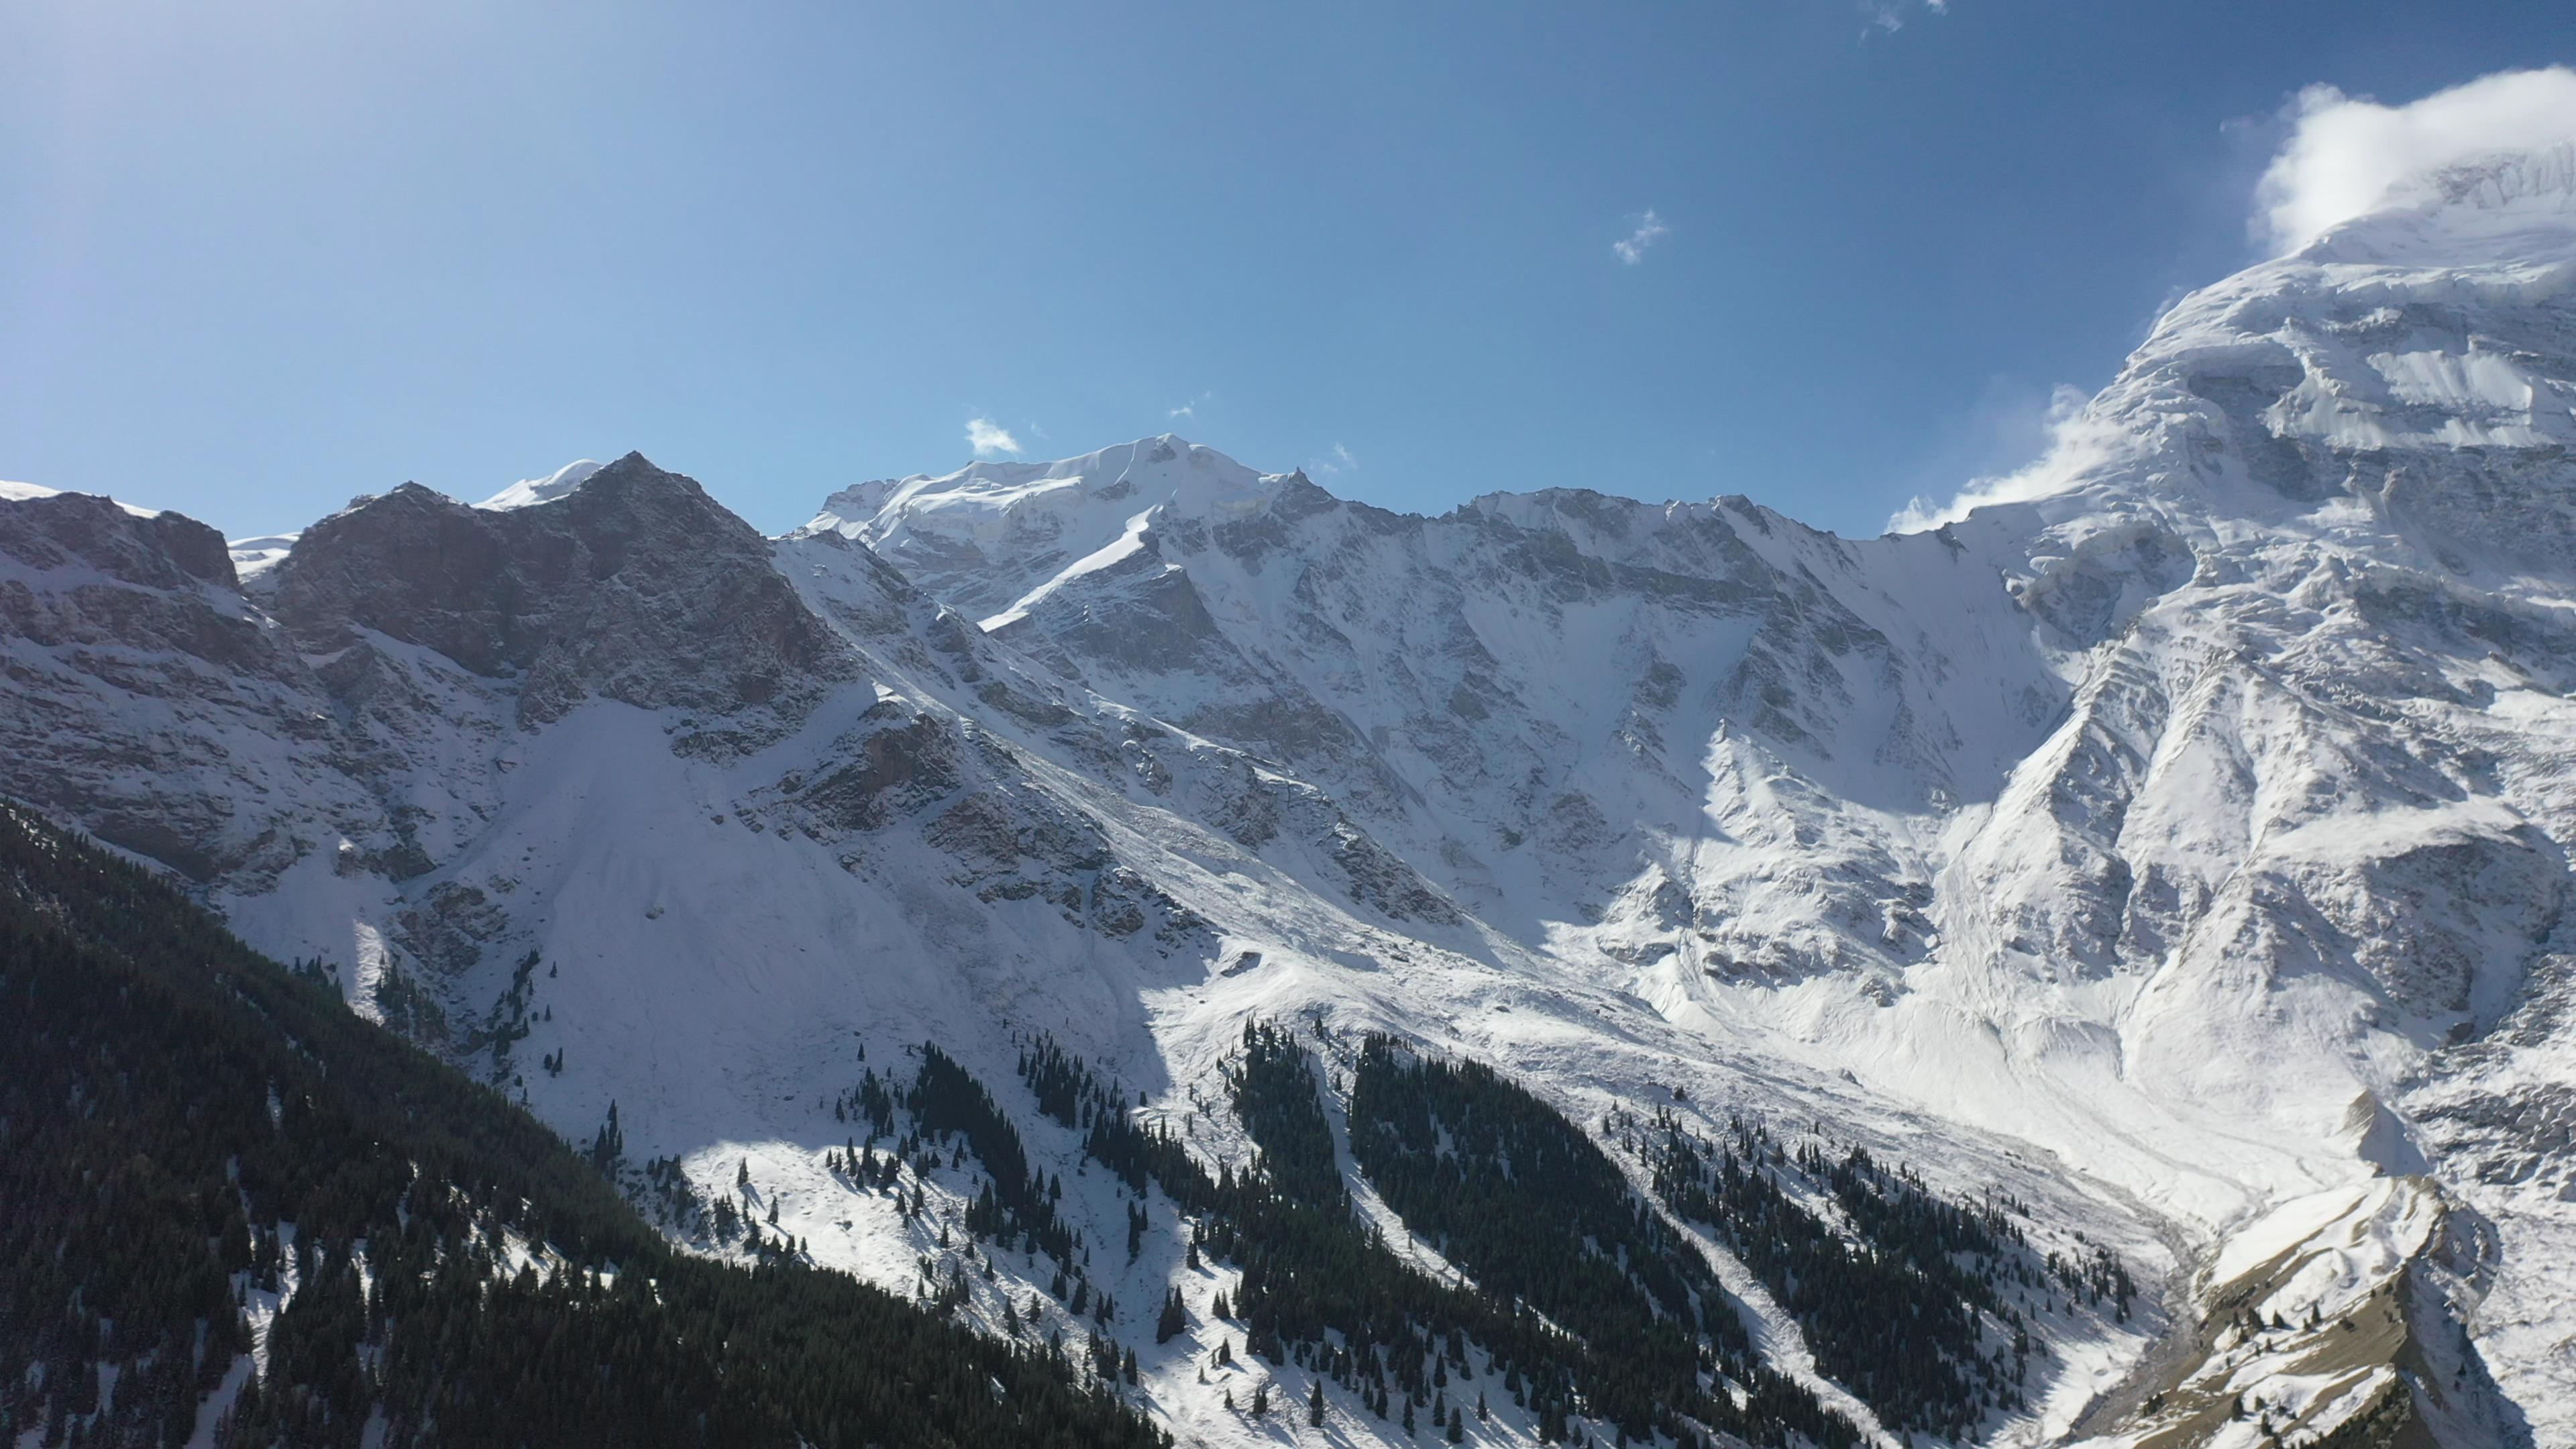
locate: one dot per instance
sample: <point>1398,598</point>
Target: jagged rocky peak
<point>51,530</point>
<point>109,615</point>
<point>634,586</point>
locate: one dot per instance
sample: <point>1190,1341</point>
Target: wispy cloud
<point>1339,460</point>
<point>1887,16</point>
<point>1189,411</point>
<point>2348,156</point>
<point>1631,249</point>
<point>990,439</point>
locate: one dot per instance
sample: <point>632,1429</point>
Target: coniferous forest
<point>203,1154</point>
<point>1923,1309</point>
<point>1322,1288</point>
<point>1514,1193</point>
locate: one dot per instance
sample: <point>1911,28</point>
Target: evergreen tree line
<point>1503,1185</point>
<point>1069,1091</point>
<point>1274,1095</point>
<point>872,1102</point>
<point>1016,1201</point>
<point>1905,1311</point>
<point>1323,1290</point>
<point>189,1133</point>
<point>952,1115</point>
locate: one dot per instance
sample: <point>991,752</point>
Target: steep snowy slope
<point>2187,814</point>
<point>2173,840</point>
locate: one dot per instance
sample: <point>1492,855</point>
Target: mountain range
<point>2158,857</point>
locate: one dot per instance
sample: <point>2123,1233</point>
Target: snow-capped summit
<point>992,537</point>
<point>528,491</point>
<point>2501,208</point>
<point>2432,321</point>
<point>25,492</point>
<point>1165,468</point>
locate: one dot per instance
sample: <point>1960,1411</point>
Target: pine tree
<point>1315,1406</point>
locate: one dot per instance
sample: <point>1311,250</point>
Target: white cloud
<point>2066,437</point>
<point>1650,229</point>
<point>1189,411</point>
<point>1885,16</point>
<point>2350,155</point>
<point>1337,461</point>
<point>990,439</point>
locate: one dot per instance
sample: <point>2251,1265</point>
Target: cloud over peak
<point>990,439</point>
<point>2348,156</point>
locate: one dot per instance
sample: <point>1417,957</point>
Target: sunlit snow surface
<point>2174,837</point>
<point>529,491</point>
<point>22,492</point>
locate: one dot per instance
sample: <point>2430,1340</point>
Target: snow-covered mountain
<point>2172,837</point>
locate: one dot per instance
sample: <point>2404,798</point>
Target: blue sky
<point>257,258</point>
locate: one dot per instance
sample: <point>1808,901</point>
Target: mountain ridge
<point>2173,837</point>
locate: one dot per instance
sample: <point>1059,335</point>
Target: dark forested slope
<point>207,1161</point>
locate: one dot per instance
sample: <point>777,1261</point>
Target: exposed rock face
<point>635,587</point>
<point>127,654</point>
<point>154,550</point>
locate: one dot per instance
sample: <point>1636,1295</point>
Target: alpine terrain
<point>2095,967</point>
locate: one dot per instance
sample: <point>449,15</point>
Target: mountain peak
<point>1166,467</point>
<point>2504,207</point>
<point>1007,529</point>
<point>632,584</point>
<point>562,481</point>
<point>29,492</point>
